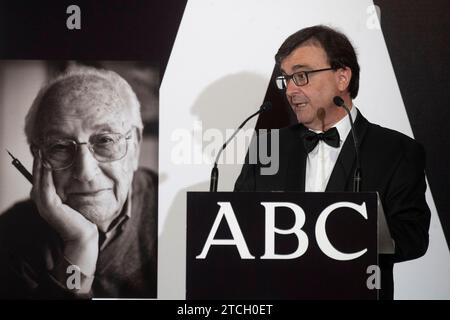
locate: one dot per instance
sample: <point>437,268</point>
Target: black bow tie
<point>311,139</point>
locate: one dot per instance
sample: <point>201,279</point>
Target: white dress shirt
<point>321,160</point>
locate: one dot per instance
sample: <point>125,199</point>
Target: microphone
<point>266,106</point>
<point>357,174</point>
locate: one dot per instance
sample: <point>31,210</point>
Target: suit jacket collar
<point>295,179</point>
<point>342,174</point>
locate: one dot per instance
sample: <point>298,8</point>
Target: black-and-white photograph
<point>79,179</point>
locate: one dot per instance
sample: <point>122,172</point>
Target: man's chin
<point>301,118</point>
<point>97,214</point>
<point>303,115</point>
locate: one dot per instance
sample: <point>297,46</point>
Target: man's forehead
<point>305,56</point>
<point>79,87</point>
<point>88,102</point>
<point>80,94</point>
<point>98,118</point>
<point>83,81</point>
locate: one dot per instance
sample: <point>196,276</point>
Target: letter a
<point>238,240</point>
<point>73,281</point>
<point>373,21</point>
<point>373,281</point>
<point>74,20</point>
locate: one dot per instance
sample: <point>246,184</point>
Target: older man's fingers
<point>43,191</point>
<point>48,191</point>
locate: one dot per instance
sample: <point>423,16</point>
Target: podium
<point>283,245</point>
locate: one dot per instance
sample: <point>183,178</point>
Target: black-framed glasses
<point>300,78</point>
<point>60,154</point>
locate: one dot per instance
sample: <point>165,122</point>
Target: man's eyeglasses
<point>59,154</point>
<point>300,78</point>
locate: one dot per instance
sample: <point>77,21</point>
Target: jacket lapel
<point>342,174</point>
<point>295,174</point>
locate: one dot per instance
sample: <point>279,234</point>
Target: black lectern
<point>282,245</point>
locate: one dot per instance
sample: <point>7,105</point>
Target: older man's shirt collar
<point>117,225</point>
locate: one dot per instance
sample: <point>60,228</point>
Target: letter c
<point>321,234</point>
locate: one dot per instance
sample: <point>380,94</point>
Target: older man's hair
<point>119,85</point>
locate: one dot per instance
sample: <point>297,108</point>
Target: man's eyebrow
<point>106,127</point>
<point>56,133</point>
<point>102,127</point>
<point>297,67</point>
<point>300,66</point>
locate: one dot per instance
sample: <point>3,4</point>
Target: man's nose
<point>85,167</point>
<point>292,88</point>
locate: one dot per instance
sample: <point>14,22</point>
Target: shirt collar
<point>119,222</point>
<point>123,216</point>
<point>343,126</point>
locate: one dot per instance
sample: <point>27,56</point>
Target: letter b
<point>296,229</point>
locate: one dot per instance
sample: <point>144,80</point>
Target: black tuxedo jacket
<point>391,163</point>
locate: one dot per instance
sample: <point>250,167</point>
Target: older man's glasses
<point>300,78</point>
<point>59,154</point>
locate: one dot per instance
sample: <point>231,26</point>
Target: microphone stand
<point>357,174</point>
<point>215,171</point>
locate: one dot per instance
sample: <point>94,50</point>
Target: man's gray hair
<point>120,86</point>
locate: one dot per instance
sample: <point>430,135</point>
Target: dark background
<point>110,29</point>
<point>417,35</point>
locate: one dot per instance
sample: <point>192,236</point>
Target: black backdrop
<point>417,35</point>
<point>110,29</point>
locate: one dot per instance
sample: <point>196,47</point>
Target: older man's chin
<point>99,214</point>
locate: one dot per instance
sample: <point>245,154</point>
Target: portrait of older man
<point>89,228</point>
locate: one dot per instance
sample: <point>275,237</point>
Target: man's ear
<point>137,148</point>
<point>344,75</point>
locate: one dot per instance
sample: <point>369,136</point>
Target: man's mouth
<point>88,193</point>
<point>299,102</point>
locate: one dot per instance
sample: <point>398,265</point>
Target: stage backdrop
<point>216,61</point>
<point>219,72</point>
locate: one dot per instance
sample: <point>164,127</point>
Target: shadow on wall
<point>222,105</point>
<point>229,100</point>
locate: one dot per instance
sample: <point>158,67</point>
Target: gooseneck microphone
<point>357,174</point>
<point>215,171</point>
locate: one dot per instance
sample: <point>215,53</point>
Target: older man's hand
<point>79,235</point>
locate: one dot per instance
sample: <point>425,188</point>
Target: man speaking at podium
<point>319,70</point>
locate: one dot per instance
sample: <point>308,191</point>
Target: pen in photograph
<point>16,163</point>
